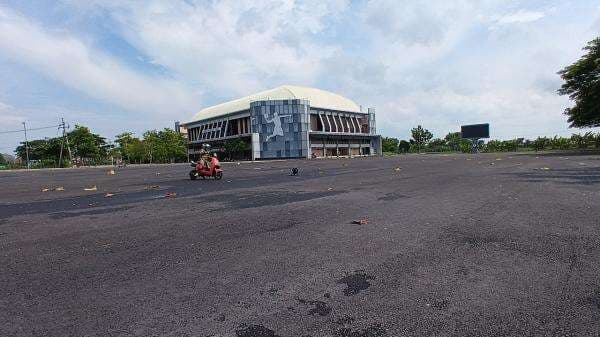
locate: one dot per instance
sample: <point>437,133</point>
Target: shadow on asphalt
<point>87,205</point>
<point>561,153</point>
<point>578,176</point>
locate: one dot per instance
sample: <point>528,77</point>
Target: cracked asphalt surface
<point>455,245</point>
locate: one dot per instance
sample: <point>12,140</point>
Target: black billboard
<point>475,131</point>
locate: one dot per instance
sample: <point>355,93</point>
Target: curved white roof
<point>318,98</point>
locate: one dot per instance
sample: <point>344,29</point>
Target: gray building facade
<point>282,127</point>
<point>286,122</point>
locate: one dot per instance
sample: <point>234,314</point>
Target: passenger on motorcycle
<point>205,156</point>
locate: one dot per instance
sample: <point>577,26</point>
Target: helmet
<point>206,147</point>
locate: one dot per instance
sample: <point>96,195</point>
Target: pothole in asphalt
<point>593,300</point>
<point>318,307</point>
<point>345,320</point>
<point>475,241</point>
<point>392,196</point>
<point>355,282</point>
<point>440,304</point>
<point>99,211</point>
<point>256,331</point>
<point>372,331</point>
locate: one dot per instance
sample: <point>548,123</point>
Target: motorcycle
<point>200,170</point>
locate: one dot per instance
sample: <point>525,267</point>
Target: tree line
<point>88,148</point>
<point>422,140</point>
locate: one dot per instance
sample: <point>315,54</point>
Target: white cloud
<point>521,16</point>
<point>411,35</point>
<point>436,63</point>
<point>511,113</point>
<point>441,65</point>
<point>233,47</point>
<point>8,116</point>
<point>427,23</point>
<point>69,61</point>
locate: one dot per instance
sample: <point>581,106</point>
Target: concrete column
<point>322,123</point>
<point>329,128</point>
<point>255,146</point>
<point>224,133</point>
<point>308,147</point>
<point>372,123</point>
<point>335,122</point>
<point>349,148</point>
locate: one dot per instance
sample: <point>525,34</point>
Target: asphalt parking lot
<point>453,245</point>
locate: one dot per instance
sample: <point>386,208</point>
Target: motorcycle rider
<point>205,156</point>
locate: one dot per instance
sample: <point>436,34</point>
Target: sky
<point>124,65</point>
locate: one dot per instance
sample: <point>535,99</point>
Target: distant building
<point>9,158</point>
<point>180,128</point>
<point>287,122</point>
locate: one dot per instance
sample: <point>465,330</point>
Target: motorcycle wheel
<point>193,175</point>
<point>218,175</point>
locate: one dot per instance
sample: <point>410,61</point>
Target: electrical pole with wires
<point>65,137</point>
<point>62,142</point>
<point>26,145</point>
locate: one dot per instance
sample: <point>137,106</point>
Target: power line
<point>31,129</point>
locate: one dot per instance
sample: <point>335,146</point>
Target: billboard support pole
<point>474,133</point>
<point>474,147</point>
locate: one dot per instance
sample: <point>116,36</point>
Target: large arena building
<point>286,122</point>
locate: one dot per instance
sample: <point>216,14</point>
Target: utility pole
<point>62,142</point>
<point>65,138</point>
<point>26,145</point>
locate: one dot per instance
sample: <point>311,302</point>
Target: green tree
<point>420,136</point>
<point>403,146</point>
<point>438,145</point>
<point>502,145</point>
<point>560,143</point>
<point>3,160</point>
<point>234,148</point>
<point>589,139</point>
<point>579,141</point>
<point>87,147</point>
<point>389,144</point>
<point>540,143</point>
<point>38,150</point>
<point>466,146</point>
<point>582,84</point>
<point>42,152</point>
<point>494,146</point>
<point>165,146</point>
<point>113,154</point>
<point>596,141</point>
<point>136,151</point>
<point>124,140</point>
<point>153,146</point>
<point>453,140</point>
<point>172,146</point>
